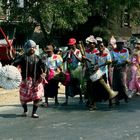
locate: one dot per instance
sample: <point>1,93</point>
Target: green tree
<point>51,14</point>
<point>111,13</point>
<point>69,14</point>
<point>1,8</point>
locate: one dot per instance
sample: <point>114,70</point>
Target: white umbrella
<point>10,77</point>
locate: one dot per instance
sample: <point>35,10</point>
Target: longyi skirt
<point>29,92</point>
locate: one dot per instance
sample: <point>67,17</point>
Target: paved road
<point>73,122</point>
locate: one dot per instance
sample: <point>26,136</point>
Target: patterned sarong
<point>31,92</point>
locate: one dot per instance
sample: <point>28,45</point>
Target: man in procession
<point>73,57</point>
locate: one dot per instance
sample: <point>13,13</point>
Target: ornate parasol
<point>10,77</point>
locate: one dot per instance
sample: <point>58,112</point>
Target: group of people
<point>101,70</point>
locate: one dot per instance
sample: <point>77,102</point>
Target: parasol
<point>10,77</point>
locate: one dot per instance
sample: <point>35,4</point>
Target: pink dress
<point>134,84</point>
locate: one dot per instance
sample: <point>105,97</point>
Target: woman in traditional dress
<point>121,56</point>
<point>32,71</point>
<point>53,63</point>
<point>134,84</point>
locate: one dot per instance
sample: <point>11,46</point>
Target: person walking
<point>53,63</point>
<point>32,71</point>
<point>99,89</point>
<point>73,57</point>
<point>134,84</point>
<point>89,58</point>
<point>121,56</point>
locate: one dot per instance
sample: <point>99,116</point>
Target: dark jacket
<point>29,69</point>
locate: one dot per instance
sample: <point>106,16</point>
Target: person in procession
<point>100,42</point>
<point>111,47</point>
<point>106,51</point>
<point>89,62</point>
<point>33,78</point>
<point>73,57</point>
<point>53,63</point>
<point>134,83</point>
<point>121,56</point>
<point>99,89</point>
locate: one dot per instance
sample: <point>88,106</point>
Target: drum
<point>96,76</point>
<point>77,73</point>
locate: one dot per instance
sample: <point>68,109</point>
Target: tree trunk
<point>46,35</point>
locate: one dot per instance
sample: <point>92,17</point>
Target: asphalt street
<point>72,122</point>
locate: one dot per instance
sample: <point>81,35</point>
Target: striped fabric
<point>29,92</point>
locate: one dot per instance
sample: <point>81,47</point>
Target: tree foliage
<point>51,14</point>
<point>68,14</point>
<point>111,9</point>
<point>64,14</point>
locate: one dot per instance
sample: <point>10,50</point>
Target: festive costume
<point>74,72</point>
<point>31,87</point>
<point>134,84</point>
<point>52,64</point>
<point>119,72</point>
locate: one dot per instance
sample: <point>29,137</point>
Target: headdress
<point>28,45</point>
<point>91,39</point>
<point>112,40</point>
<point>99,39</point>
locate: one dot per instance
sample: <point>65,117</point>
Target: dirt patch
<point>10,97</point>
